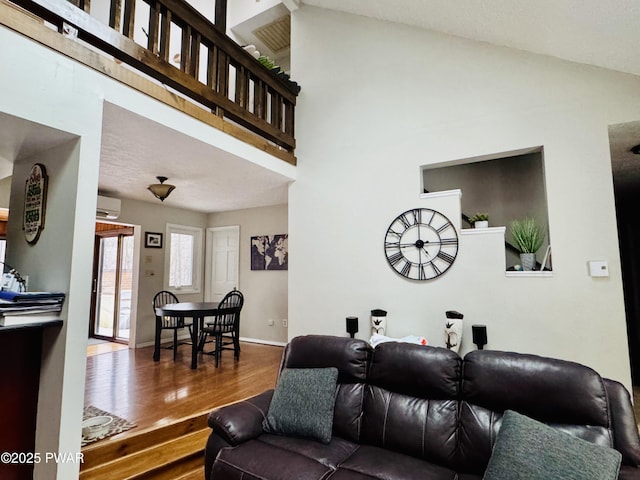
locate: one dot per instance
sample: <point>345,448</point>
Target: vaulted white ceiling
<point>596,32</point>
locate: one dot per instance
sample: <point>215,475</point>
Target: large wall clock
<point>421,244</point>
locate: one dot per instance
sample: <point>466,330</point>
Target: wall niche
<point>507,186</point>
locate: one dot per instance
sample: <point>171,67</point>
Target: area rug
<point>118,425</point>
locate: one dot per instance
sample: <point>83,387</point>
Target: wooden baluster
<point>114,14</point>
<point>82,4</point>
<point>185,49</point>
<point>242,87</point>
<point>165,34</point>
<point>289,123</point>
<point>154,27</point>
<point>212,62</point>
<point>222,74</point>
<point>220,19</point>
<point>260,99</point>
<point>129,18</point>
<point>276,110</point>
<point>194,60</point>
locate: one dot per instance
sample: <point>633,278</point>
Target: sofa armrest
<point>625,428</point>
<point>629,473</point>
<point>241,421</point>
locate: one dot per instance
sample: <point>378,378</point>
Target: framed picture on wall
<point>152,240</point>
<point>270,252</point>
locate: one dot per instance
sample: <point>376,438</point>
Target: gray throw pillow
<point>529,450</point>
<point>302,404</point>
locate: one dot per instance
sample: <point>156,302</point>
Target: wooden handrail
<point>262,103</point>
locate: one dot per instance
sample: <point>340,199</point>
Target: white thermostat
<point>598,268</point>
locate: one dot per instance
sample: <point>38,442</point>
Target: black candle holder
<point>352,326</point>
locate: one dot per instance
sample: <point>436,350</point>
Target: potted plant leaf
<point>528,236</point>
<point>480,220</point>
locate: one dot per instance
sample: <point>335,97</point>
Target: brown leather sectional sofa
<point>409,412</point>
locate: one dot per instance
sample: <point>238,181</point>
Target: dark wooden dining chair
<point>167,323</point>
<point>225,328</point>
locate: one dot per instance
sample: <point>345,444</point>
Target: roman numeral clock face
<point>421,244</point>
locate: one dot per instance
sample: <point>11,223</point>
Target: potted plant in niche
<point>528,236</point>
<point>480,220</point>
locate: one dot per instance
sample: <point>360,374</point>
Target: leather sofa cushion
<point>423,428</point>
<point>278,458</point>
<point>416,370</point>
<point>546,389</point>
<point>350,356</point>
<point>370,462</point>
<point>411,403</point>
<point>566,394</point>
<point>347,415</point>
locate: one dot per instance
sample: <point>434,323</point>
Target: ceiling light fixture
<point>636,149</point>
<point>161,190</point>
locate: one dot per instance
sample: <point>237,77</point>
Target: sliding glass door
<point>112,284</point>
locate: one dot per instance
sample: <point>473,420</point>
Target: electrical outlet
<point>285,323</point>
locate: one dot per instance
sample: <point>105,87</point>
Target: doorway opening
<point>112,289</point>
<point>623,138</point>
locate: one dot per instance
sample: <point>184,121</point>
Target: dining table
<point>196,311</point>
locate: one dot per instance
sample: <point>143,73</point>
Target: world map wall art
<point>270,252</point>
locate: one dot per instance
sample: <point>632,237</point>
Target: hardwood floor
<point>128,383</point>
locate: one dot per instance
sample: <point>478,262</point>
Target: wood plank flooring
<point>128,383</point>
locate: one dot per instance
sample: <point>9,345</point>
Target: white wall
<point>374,108</point>
<point>265,292</point>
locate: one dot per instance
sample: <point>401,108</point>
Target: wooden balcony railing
<point>212,69</point>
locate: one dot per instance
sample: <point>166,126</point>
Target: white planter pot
<point>481,224</point>
<point>528,261</point>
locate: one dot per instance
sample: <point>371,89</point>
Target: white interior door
<point>223,261</point>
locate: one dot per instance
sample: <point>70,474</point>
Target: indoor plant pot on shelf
<point>480,220</point>
<point>528,236</point>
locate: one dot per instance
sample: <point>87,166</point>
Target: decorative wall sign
<point>152,240</point>
<point>35,202</point>
<point>270,252</point>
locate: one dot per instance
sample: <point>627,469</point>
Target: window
<point>183,259</point>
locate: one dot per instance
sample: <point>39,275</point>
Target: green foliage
<point>268,63</point>
<point>479,217</point>
<point>527,235</point>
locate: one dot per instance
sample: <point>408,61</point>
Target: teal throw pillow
<point>526,449</point>
<point>303,403</point>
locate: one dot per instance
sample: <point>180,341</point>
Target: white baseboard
<point>242,339</point>
<point>264,342</point>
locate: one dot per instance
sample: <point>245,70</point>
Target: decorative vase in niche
<point>528,261</point>
<point>453,330</point>
<point>481,224</point>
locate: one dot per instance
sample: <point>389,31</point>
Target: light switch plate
<point>598,268</point>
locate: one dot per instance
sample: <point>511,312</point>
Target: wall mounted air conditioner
<point>108,208</point>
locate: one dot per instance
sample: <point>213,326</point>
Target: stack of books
<point>21,308</point>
